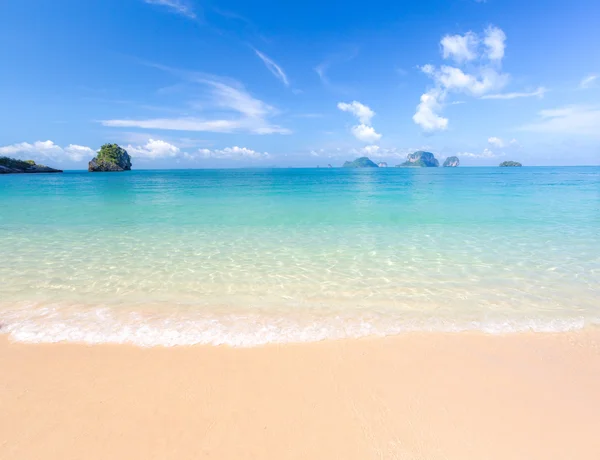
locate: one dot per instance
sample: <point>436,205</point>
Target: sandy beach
<point>417,396</point>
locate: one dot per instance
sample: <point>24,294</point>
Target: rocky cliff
<point>505,164</point>
<point>420,159</point>
<point>110,158</point>
<point>451,162</point>
<point>362,162</point>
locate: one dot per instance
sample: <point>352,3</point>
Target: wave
<point>107,326</point>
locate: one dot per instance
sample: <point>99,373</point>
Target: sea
<point>249,257</point>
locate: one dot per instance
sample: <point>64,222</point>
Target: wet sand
<point>417,396</point>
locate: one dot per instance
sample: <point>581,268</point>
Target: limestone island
<point>510,164</point>
<point>110,158</point>
<point>420,159</point>
<point>12,166</point>
<point>362,162</point>
<point>451,162</point>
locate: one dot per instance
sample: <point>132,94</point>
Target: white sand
<point>417,396</point>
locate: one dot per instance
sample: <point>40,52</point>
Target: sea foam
<point>100,326</point>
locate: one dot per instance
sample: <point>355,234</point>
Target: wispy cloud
<point>537,93</point>
<point>273,67</point>
<point>175,6</point>
<point>570,120</point>
<point>323,68</point>
<point>245,113</point>
<point>47,150</point>
<point>588,82</point>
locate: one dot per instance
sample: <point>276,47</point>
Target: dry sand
<point>417,396</point>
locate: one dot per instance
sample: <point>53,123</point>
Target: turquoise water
<point>247,257</point>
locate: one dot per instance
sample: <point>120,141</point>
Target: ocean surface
<point>249,257</point>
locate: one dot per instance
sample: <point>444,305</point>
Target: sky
<point>262,83</point>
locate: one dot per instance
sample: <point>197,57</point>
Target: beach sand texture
<point>416,396</point>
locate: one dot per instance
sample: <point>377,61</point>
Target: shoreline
<point>414,396</point>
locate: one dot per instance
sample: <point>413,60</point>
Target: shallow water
<point>246,257</point>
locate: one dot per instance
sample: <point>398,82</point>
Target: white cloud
<point>371,149</point>
<point>153,149</point>
<point>480,78</point>
<point>48,149</point>
<point>234,153</point>
<point>460,47</point>
<point>494,40</point>
<point>79,152</point>
<point>501,143</point>
<point>427,69</point>
<point>248,114</point>
<point>537,93</point>
<point>496,142</point>
<point>360,111</point>
<point>570,120</point>
<point>588,82</point>
<point>427,111</point>
<point>175,6</point>
<point>42,147</point>
<point>273,68</point>
<point>454,79</point>
<point>487,153</point>
<point>365,133</point>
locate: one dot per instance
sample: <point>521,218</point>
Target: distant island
<point>13,166</point>
<point>451,162</point>
<point>110,158</point>
<point>508,164</point>
<point>420,159</point>
<point>362,162</point>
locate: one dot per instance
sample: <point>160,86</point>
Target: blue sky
<point>194,83</point>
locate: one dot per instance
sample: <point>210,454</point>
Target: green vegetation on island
<point>508,164</point>
<point>14,166</point>
<point>362,162</point>
<point>451,162</point>
<point>420,159</point>
<point>110,158</point>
